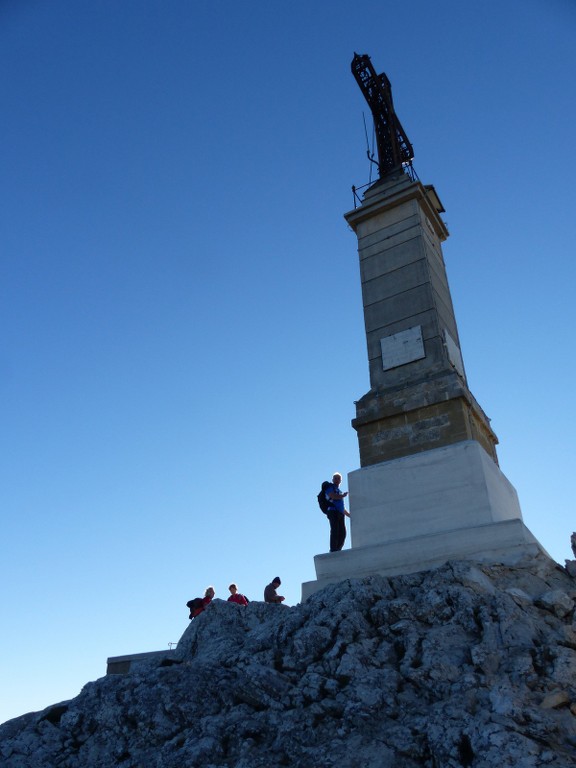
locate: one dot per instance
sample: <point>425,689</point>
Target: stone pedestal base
<point>437,412</point>
<point>507,542</point>
<point>417,512</point>
<point>457,486</point>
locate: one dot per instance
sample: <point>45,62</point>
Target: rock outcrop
<point>571,564</point>
<point>466,665</point>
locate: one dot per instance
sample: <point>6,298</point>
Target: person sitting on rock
<point>270,594</point>
<point>208,596</point>
<point>237,597</point>
<point>206,600</point>
<point>197,605</point>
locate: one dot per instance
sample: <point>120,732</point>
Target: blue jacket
<point>337,504</point>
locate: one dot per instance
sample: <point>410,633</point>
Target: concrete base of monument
<point>453,487</point>
<point>506,542</point>
<point>418,512</point>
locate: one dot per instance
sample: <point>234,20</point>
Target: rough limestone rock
<point>466,665</point>
<point>571,564</point>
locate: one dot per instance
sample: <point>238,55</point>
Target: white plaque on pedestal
<point>454,354</point>
<point>402,347</point>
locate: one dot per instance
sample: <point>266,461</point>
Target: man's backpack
<point>194,605</point>
<point>323,502</point>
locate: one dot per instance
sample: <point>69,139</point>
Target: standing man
<point>270,594</point>
<point>336,513</point>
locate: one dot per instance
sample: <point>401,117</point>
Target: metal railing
<point>408,169</point>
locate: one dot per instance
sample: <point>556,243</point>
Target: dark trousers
<point>337,530</point>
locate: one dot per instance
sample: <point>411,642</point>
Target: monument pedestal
<point>429,488</point>
<point>418,512</point>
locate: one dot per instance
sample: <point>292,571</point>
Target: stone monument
<point>429,488</point>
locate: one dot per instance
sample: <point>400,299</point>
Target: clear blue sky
<point>181,325</point>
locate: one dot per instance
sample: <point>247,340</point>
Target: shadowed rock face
<point>467,665</point>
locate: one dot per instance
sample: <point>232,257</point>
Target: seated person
<point>270,594</point>
<point>237,597</point>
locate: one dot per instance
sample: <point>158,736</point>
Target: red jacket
<point>205,601</point>
<point>238,598</point>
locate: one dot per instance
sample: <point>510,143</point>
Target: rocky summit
<point>465,665</point>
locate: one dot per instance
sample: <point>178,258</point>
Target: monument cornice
<point>390,193</point>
